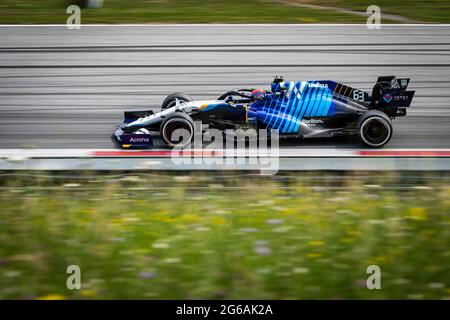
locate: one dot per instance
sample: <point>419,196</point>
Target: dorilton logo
<point>312,121</point>
<point>139,139</point>
<point>317,85</point>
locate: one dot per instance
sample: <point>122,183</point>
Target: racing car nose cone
<point>118,132</point>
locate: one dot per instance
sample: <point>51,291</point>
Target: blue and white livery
<point>304,109</point>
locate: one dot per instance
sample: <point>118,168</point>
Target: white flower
<point>300,270</point>
<point>160,245</point>
<point>172,260</point>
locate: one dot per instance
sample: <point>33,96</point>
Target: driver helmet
<point>258,94</point>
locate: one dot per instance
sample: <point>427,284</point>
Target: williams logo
<point>317,85</point>
<point>387,97</point>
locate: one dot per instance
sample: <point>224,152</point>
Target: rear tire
<point>177,130</point>
<point>374,128</point>
<point>170,100</point>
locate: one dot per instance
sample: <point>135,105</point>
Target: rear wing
<point>393,82</point>
<point>391,95</point>
<point>395,101</point>
<point>396,97</point>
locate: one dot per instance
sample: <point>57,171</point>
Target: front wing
<point>133,140</point>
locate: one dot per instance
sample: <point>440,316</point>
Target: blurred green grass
<point>425,11</point>
<point>204,236</point>
<point>213,11</point>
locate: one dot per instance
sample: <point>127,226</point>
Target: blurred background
<point>223,11</point>
<point>224,235</point>
<point>217,235</point>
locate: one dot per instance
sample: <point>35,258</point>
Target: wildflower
<point>274,221</point>
<point>339,199</point>
<point>88,293</point>
<point>172,260</point>
<point>219,221</point>
<point>182,178</point>
<point>189,217</point>
<point>422,187</point>
<point>281,229</point>
<point>160,245</point>
<point>372,186</point>
<point>51,297</point>
<point>436,285</point>
<point>202,229</point>
<point>316,243</point>
<point>314,255</point>
<point>417,214</point>
<point>12,274</point>
<point>146,275</point>
<point>71,185</point>
<point>264,271</point>
<point>261,248</point>
<point>300,270</point>
<point>373,221</point>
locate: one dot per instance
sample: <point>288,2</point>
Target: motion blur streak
<point>63,88</point>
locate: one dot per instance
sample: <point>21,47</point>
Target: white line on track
<point>167,153</point>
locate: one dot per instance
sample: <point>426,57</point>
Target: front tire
<point>170,100</point>
<point>374,128</point>
<point>177,130</point>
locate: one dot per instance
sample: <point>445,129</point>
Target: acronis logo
<point>387,97</point>
<point>139,139</point>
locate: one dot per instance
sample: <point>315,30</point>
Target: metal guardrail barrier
<point>166,159</point>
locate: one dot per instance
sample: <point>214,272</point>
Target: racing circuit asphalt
<point>63,88</point>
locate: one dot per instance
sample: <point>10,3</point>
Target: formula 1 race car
<point>303,109</point>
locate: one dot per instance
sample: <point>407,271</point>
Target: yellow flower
<point>316,243</point>
<point>167,219</point>
<point>51,297</point>
<point>418,214</point>
<point>314,255</point>
<point>381,259</point>
<point>353,232</point>
<point>219,221</point>
<point>88,293</point>
<point>188,217</point>
<point>88,211</point>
